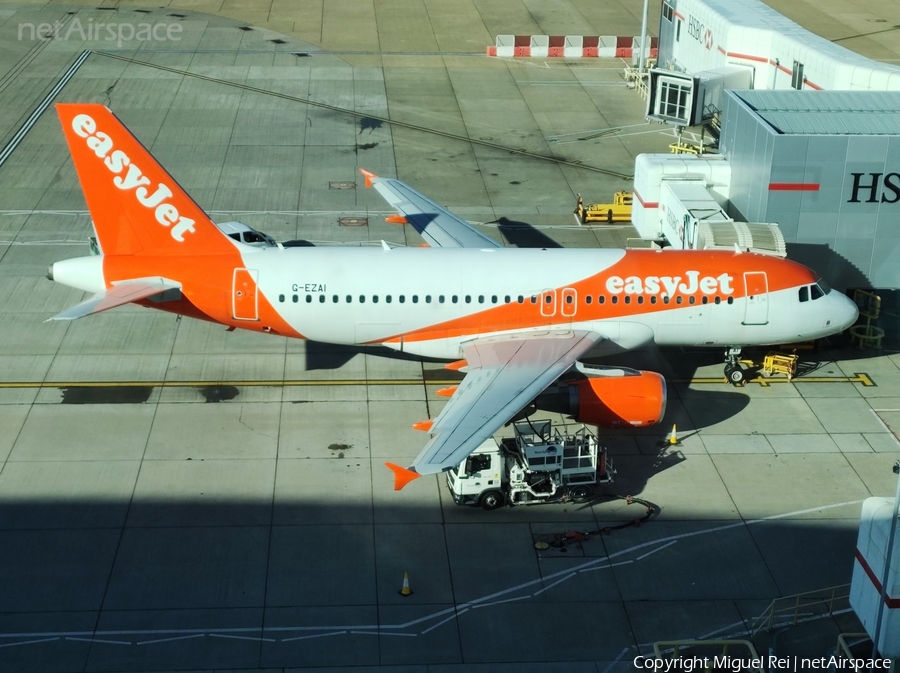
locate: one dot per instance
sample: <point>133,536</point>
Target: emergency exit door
<point>244,299</point>
<point>756,286</point>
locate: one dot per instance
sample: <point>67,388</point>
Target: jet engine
<point>608,398</point>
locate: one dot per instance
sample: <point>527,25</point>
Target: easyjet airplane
<point>516,321</point>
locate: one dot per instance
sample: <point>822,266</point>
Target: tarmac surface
<point>177,497</point>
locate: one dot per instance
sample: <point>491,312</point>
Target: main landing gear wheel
<point>735,374</point>
<point>582,493</point>
<point>492,500</point>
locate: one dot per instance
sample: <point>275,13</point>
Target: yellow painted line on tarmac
<point>862,378</point>
<point>859,377</point>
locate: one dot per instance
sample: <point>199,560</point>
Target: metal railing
<point>723,651</point>
<point>792,605</point>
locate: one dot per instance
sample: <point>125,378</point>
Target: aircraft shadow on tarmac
<point>523,234</point>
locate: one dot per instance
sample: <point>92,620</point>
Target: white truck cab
<point>538,465</point>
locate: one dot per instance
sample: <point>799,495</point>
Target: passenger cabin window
<point>588,299</point>
<point>295,299</point>
<point>309,299</point>
<point>281,298</point>
<point>321,298</point>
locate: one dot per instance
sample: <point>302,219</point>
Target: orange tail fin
<point>135,204</point>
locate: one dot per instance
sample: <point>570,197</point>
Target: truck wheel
<point>581,493</point>
<point>492,500</point>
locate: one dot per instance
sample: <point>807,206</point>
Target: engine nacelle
<point>619,401</point>
<point>634,399</point>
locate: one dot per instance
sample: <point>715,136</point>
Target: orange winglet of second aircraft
<point>456,366</point>
<point>369,176</point>
<point>402,476</point>
<point>446,392</point>
<point>396,219</point>
<point>425,426</point>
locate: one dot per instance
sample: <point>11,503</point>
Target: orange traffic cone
<point>405,590</point>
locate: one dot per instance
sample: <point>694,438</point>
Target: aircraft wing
<point>438,226</point>
<point>121,293</point>
<point>503,374</point>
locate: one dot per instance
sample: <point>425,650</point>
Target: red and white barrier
<point>569,46</point>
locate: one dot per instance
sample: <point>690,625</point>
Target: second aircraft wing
<point>504,373</point>
<point>438,226</point>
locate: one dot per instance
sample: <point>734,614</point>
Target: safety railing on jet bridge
<point>827,600</point>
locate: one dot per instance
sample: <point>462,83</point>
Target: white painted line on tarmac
<point>444,621</point>
<point>606,567</point>
<point>254,638</point>
<point>616,660</point>
<point>884,425</point>
<point>483,602</point>
<point>550,586</point>
<point>669,544</point>
<point>29,642</point>
<point>315,635</point>
<point>100,640</point>
<point>169,640</point>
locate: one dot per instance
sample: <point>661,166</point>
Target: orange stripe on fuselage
<point>638,264</point>
<point>206,286</point>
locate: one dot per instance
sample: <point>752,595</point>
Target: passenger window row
<point>521,299</point>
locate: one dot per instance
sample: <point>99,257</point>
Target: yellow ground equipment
<point>866,334</point>
<point>778,363</point>
<point>617,211</point>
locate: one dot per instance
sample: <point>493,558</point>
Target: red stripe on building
<point>892,603</point>
<point>722,50</point>
<point>793,186</point>
<point>645,204</point>
<point>812,86</point>
<point>678,15</point>
<point>747,57</point>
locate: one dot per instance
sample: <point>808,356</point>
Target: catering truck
<point>539,464</point>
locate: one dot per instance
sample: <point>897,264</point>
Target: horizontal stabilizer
<point>121,293</point>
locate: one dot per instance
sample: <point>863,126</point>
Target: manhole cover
<point>341,185</point>
<point>353,221</point>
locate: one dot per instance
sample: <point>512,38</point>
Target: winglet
<point>369,176</point>
<point>402,476</point>
<point>424,426</point>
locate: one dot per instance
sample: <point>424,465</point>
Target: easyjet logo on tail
<point>118,161</point>
<point>670,285</point>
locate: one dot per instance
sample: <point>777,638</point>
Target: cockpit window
<point>236,237</point>
<point>816,291</point>
<point>253,237</point>
<point>804,293</point>
<point>825,287</point>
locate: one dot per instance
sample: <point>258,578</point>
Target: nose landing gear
<point>734,372</point>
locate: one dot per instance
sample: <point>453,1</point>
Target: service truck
<point>539,464</point>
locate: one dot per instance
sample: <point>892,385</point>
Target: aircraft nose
<point>848,312</point>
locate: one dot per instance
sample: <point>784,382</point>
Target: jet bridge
<point>680,202</point>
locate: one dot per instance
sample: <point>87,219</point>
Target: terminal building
<point>809,144</point>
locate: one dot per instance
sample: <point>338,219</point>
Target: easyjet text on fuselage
<point>690,283</point>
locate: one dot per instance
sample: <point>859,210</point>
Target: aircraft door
<point>569,299</point>
<point>757,288</point>
<point>244,298</point>
<point>548,303</point>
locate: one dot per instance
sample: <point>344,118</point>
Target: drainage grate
<point>180,16</point>
<point>278,41</point>
<point>341,185</point>
<point>354,221</point>
<point>246,29</point>
<point>107,9</point>
<point>300,54</point>
<point>142,11</point>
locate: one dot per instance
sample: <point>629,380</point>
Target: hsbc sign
<point>875,188</point>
